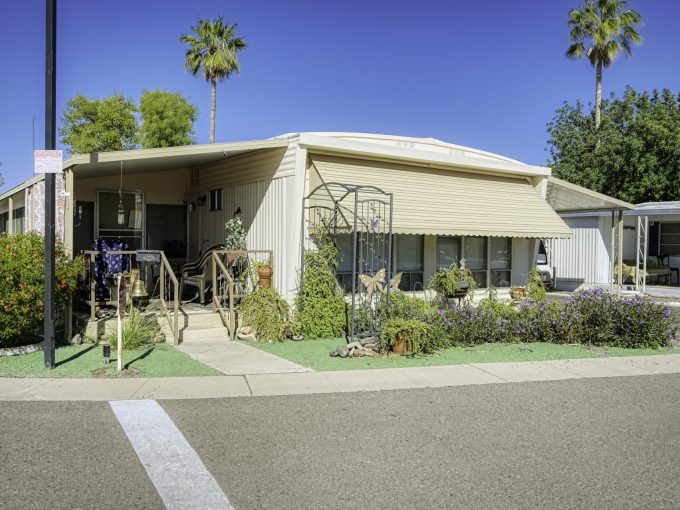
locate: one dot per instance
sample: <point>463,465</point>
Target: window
<point>499,258</point>
<point>475,258</point>
<point>448,251</point>
<point>18,220</point>
<point>343,272</point>
<point>489,259</point>
<point>4,217</point>
<point>215,199</point>
<point>669,239</point>
<point>409,261</point>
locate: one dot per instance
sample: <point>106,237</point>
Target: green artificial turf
<point>86,361</point>
<point>315,354</point>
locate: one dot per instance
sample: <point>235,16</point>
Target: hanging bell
<point>138,289</point>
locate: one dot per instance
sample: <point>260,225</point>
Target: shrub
<point>267,313</point>
<point>417,334</point>
<point>535,287</point>
<point>22,286</point>
<point>597,317</point>
<point>320,302</point>
<point>403,305</point>
<point>137,329</point>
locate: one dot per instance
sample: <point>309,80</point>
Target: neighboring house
<point>589,257</point>
<point>22,208</point>
<point>449,202</point>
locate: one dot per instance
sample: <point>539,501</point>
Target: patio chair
<point>664,260</point>
<point>199,274</point>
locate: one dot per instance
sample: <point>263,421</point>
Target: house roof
<point>20,187</point>
<point>167,158</point>
<point>565,197</point>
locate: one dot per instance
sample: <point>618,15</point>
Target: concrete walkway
<point>332,382</point>
<point>235,358</point>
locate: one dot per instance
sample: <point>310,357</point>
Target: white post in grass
<point>121,315</point>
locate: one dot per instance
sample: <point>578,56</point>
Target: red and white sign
<point>47,162</point>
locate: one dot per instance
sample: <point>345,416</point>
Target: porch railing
<point>223,289</point>
<point>168,275</point>
<point>169,285</point>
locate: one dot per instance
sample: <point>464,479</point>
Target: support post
<point>612,255</point>
<point>638,233</point>
<point>50,143</point>
<point>10,216</point>
<point>645,252</point>
<point>620,252</point>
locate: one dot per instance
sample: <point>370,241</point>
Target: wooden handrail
<point>174,325</point>
<point>230,322</point>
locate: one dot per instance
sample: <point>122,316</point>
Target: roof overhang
<point>354,148</point>
<point>565,198</point>
<point>167,158</point>
<point>20,187</point>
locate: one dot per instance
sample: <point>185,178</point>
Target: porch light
<point>106,352</point>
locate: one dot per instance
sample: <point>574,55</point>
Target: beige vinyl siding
<point>250,167</point>
<point>450,202</point>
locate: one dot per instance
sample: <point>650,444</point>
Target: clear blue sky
<point>484,74</point>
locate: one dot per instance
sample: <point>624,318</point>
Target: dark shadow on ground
<point>141,356</point>
<point>74,356</point>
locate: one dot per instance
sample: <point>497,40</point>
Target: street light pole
<point>50,143</point>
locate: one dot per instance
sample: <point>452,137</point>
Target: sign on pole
<point>47,162</point>
<point>122,303</point>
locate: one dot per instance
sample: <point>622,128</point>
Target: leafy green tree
<point>600,31</point>
<point>99,125</point>
<point>167,119</point>
<point>634,155</point>
<point>213,53</point>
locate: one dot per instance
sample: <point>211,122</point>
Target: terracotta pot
<point>265,276</point>
<point>399,346</point>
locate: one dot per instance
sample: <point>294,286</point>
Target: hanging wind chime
<point>121,209</point>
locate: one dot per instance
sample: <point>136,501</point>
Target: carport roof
<point>166,158</point>
<point>565,197</point>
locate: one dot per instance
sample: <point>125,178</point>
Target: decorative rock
<point>342,351</point>
<point>351,352</point>
<point>77,339</point>
<point>246,330</point>
<point>246,338</point>
<point>358,353</point>
<point>369,346</point>
<point>367,340</point>
<point>334,352</point>
<point>353,345</point>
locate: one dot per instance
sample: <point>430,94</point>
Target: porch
<point>153,288</point>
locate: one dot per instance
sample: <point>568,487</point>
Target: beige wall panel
<point>251,167</point>
<point>167,187</point>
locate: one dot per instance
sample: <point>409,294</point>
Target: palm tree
<point>609,29</point>
<point>213,52</point>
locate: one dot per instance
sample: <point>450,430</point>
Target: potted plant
<point>235,237</point>
<point>452,282</point>
<point>404,336</point>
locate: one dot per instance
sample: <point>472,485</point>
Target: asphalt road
<point>592,443</point>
